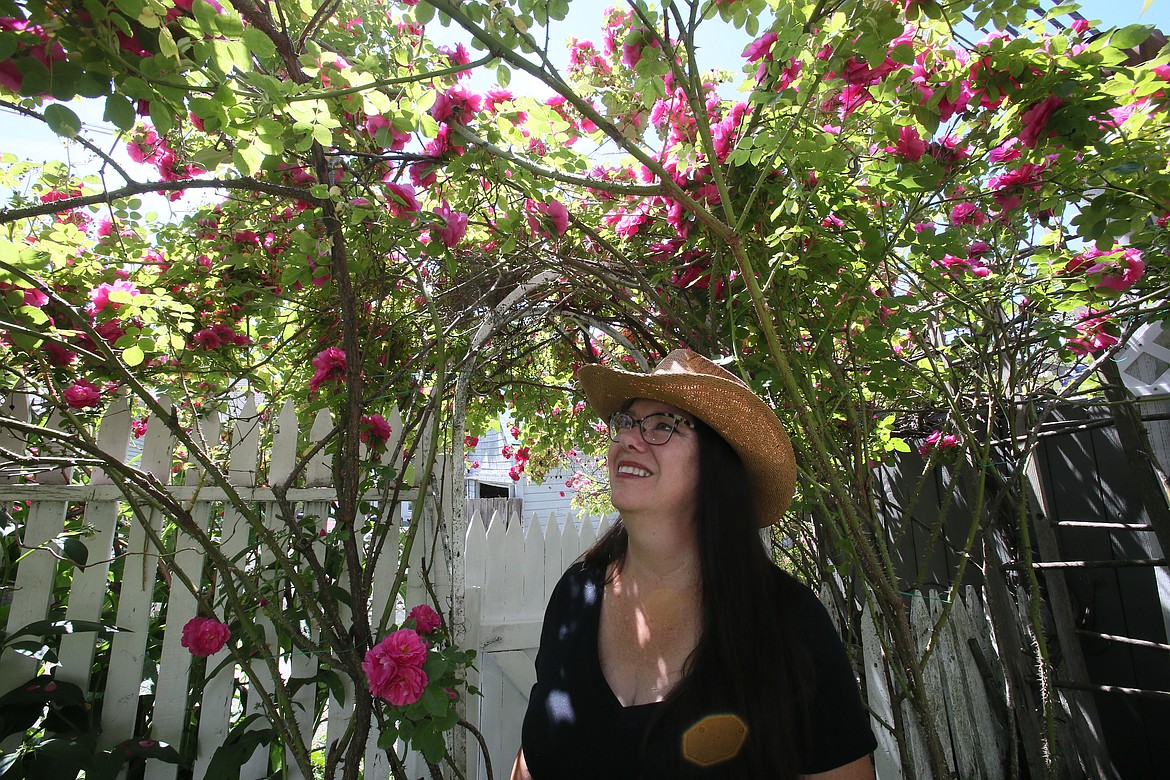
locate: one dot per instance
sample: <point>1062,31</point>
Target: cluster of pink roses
<point>394,666</point>
<point>219,335</point>
<point>145,146</point>
<point>1115,269</point>
<point>938,440</point>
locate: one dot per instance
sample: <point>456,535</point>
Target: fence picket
<point>887,760</point>
<point>553,541</point>
<point>135,597</point>
<point>955,695</point>
<point>235,533</point>
<point>87,592</point>
<point>284,449</point>
<point>174,669</point>
<point>973,696</point>
<point>15,407</point>
<point>916,743</point>
<point>38,569</point>
<point>304,666</point>
<point>534,595</point>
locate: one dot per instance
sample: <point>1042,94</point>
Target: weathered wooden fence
<point>153,686</point>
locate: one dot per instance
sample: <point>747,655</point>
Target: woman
<point>676,648</point>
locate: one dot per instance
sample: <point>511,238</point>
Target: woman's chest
<point>644,642</point>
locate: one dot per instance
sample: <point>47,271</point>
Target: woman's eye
<point>664,425</point>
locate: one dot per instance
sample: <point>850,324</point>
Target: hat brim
<point>736,413</point>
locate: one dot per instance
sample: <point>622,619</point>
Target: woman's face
<point>647,478</point>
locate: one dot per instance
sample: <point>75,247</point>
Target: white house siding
<point>550,496</point>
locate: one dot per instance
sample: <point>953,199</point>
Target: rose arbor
<point>904,231</point>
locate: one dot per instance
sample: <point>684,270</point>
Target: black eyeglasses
<point>661,427</point>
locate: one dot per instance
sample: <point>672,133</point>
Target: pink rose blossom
<point>59,355</point>
<point>145,146</point>
<point>910,145</point>
<point>82,394</point>
<point>1092,338</point>
<point>378,122</point>
<point>100,295</point>
<point>456,105</point>
<point>393,667</point>
<point>956,265</point>
<point>938,440</point>
<point>375,427</point>
<point>1035,120</point>
<point>554,210</point>
<point>205,636</point>
<point>1116,269</point>
<point>402,201</point>
<point>761,48</point>
<point>330,367</point>
<point>451,233</point>
<point>425,618</point>
<point>494,97</point>
<point>967,214</point>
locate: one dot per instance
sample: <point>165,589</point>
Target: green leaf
<point>133,356</point>
<point>435,700</point>
<point>131,8</point>
<point>119,111</point>
<point>248,159</point>
<point>206,15</point>
<point>334,683</point>
<point>258,42</point>
<point>136,89</point>
<point>62,120</point>
<point>1131,36</point>
<point>162,116</point>
<point>424,12</point>
<point>8,45</point>
<point>430,743</point>
<point>75,550</point>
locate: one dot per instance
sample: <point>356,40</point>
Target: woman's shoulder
<point>580,583</point>
<point>800,601</point>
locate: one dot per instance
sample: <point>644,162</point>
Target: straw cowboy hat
<point>721,400</point>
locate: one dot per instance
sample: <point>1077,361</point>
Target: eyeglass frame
<point>616,430</point>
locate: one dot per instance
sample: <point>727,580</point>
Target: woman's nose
<point>631,437</point>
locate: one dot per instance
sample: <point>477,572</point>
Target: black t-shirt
<point>576,728</point>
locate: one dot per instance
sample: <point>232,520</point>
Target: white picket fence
<point>54,494</point>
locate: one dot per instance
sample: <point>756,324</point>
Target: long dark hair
<point>748,661</point>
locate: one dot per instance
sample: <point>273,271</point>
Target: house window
<point>492,491</point>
